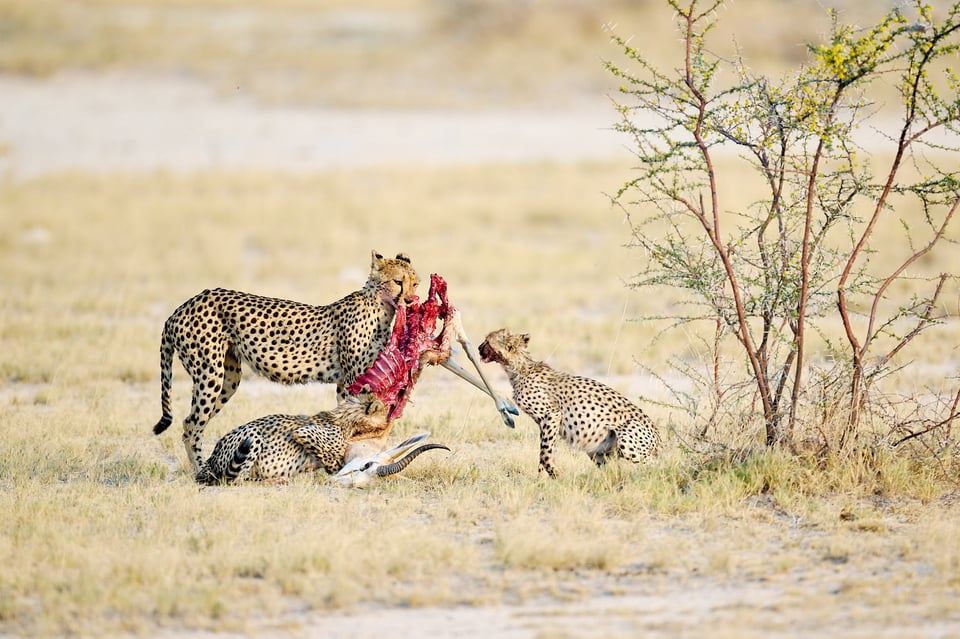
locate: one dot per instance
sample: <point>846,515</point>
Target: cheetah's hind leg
<point>637,441</point>
<point>607,448</point>
<point>209,395</point>
<point>232,371</point>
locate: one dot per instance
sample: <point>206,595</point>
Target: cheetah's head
<point>395,278</point>
<point>363,412</point>
<point>503,347</point>
<point>363,403</point>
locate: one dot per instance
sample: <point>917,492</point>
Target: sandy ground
<point>123,122</point>
<point>120,122</point>
<point>107,123</point>
<point>706,608</point>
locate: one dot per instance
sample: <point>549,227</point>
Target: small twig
<point>946,422</point>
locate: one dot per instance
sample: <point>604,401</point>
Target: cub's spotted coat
<point>281,446</point>
<point>591,416</point>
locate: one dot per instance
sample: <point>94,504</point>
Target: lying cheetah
<point>281,446</point>
<point>287,342</point>
<point>589,415</point>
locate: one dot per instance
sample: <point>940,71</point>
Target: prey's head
<point>363,471</point>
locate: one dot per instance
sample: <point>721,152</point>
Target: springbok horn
<point>400,464</point>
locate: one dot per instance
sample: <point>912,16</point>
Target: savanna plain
<point>103,530</point>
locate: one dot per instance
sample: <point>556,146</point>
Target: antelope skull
<point>360,472</point>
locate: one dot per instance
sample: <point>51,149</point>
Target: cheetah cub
<point>281,446</point>
<point>591,416</point>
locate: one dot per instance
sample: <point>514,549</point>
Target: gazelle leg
<point>504,406</point>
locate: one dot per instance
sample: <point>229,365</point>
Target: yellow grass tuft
<point>105,531</point>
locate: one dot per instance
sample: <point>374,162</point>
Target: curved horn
<point>400,464</point>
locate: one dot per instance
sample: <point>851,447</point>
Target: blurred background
<point>153,148</point>
<point>303,85</point>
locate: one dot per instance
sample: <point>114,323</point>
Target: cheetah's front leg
<point>549,433</point>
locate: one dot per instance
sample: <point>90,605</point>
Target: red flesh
<point>412,345</point>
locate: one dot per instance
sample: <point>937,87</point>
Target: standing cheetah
<point>286,342</point>
<point>280,446</point>
<point>589,415</point>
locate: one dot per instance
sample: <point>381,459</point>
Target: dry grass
<point>104,530</point>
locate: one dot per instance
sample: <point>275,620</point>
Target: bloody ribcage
<point>397,368</point>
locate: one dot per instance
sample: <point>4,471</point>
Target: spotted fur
<point>281,446</point>
<point>591,416</point>
<point>286,342</point>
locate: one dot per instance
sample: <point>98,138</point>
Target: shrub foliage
<point>793,292</point>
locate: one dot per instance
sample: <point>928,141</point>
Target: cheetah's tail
<point>163,424</point>
<point>166,378</point>
<point>207,475</point>
<point>232,471</point>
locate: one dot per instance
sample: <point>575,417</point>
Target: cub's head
<point>503,347</point>
<point>395,278</point>
<point>361,416</point>
<point>364,408</point>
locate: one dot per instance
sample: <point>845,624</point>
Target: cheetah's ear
<point>375,259</point>
<point>373,406</point>
<point>526,338</point>
<point>403,258</point>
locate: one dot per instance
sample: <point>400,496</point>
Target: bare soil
<point>129,123</point>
